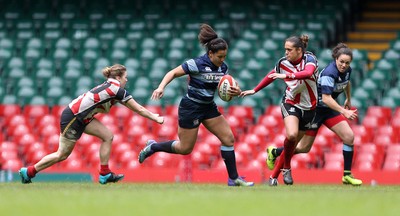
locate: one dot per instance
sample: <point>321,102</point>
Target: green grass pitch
<point>195,199</point>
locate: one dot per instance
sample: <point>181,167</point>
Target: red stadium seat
<point>243,112</point>
<point>330,136</point>
<point>263,132</point>
<point>119,148</point>
<point>136,120</point>
<point>140,142</point>
<point>323,142</point>
<point>120,112</point>
<point>35,156</point>
<point>171,110</point>
<point>306,160</point>
<point>125,157</point>
<point>245,150</point>
<point>393,149</point>
<point>32,112</point>
<point>134,132</point>
<point>371,123</point>
<point>45,120</point>
<point>155,109</point>
<point>383,140</point>
<point>51,142</point>
<point>7,110</point>
<point>255,165</point>
<point>255,142</point>
<point>333,165</point>
<point>200,160</point>
<point>274,110</point>
<point>389,131</point>
<point>47,131</point>
<point>131,165</point>
<point>271,122</point>
<point>391,165</point>
<point>237,125</point>
<point>262,156</point>
<point>8,145</point>
<point>364,166</point>
<point>383,113</point>
<point>8,155</point>
<point>57,110</point>
<point>361,134</point>
<point>12,164</point>
<point>333,156</point>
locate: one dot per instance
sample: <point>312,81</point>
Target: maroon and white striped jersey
<point>99,100</point>
<point>301,93</point>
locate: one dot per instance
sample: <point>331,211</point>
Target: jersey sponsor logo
<point>196,122</point>
<point>208,69</point>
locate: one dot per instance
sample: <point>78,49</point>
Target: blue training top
<point>332,82</point>
<point>204,78</point>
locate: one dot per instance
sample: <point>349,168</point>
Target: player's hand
<point>159,119</point>
<point>157,94</point>
<point>247,92</point>
<point>234,91</point>
<point>350,114</point>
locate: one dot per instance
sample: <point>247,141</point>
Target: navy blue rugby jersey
<point>332,82</point>
<point>204,77</point>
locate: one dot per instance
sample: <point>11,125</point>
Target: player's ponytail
<point>114,71</point>
<point>210,40</point>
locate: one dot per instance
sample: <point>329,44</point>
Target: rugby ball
<point>224,85</point>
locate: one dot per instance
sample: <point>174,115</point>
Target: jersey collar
<point>114,81</point>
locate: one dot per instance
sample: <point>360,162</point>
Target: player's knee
<point>291,137</point>
<point>108,138</point>
<point>348,138</point>
<point>186,151</point>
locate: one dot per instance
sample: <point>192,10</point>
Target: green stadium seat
<point>120,43</point>
<point>45,63</point>
<point>243,45</point>
<point>118,55</point>
<point>25,94</point>
<point>16,73</point>
<point>6,43</point>
<point>63,43</point>
<point>137,25</point>
<point>102,63</point>
<point>270,44</point>
<point>148,43</point>
<point>132,63</point>
<point>141,95</point>
<point>394,93</point>
<point>25,82</point>
<point>395,44</point>
<point>53,94</point>
<point>9,99</point>
<point>84,81</point>
<point>389,102</point>
<point>74,63</point>
<point>64,100</point>
<point>160,63</point>
<point>55,81</point>
<point>392,55</point>
<point>38,100</point>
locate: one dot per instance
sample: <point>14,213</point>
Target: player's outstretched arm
<point>139,109</point>
<point>174,73</point>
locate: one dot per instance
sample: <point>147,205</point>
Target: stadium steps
<point>379,24</point>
